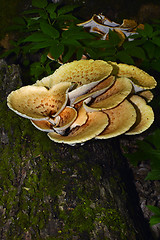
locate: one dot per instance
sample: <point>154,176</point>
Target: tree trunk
<point>55,191</point>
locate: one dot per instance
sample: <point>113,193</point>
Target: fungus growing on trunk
<point>87,99</point>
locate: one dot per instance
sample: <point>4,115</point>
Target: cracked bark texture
<point>55,191</point>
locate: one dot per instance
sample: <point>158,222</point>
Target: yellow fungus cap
<point>121,118</point>
<point>36,102</point>
<point>138,76</point>
<point>113,96</point>
<point>145,116</point>
<point>96,123</point>
<point>81,72</point>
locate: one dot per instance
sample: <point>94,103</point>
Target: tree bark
<point>56,191</point>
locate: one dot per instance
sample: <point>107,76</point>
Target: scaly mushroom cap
<point>35,102</point>
<point>96,123</point>
<point>121,118</point>
<point>145,116</point>
<point>112,97</point>
<point>81,72</point>
<point>137,76</point>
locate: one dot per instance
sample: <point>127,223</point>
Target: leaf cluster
<point>145,47</point>
<point>52,28</point>
<point>47,28</point>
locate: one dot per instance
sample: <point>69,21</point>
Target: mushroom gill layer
<point>103,104</point>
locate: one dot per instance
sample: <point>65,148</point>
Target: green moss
<point>35,185</point>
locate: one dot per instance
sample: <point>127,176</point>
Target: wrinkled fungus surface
<point>87,99</point>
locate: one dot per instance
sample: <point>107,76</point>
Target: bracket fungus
<point>102,25</point>
<point>87,99</point>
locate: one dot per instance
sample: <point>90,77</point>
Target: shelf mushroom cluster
<point>87,99</point>
<point>102,25</point>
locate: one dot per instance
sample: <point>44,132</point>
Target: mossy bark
<point>55,191</point>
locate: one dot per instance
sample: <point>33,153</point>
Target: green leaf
<point>114,38</point>
<point>36,69</point>
<point>39,3</point>
<point>56,50</point>
<point>67,17</point>
<point>156,33</point>
<point>43,58</point>
<point>147,32</point>
<point>155,65</point>
<point>136,52</point>
<point>154,220</point>
<point>156,40</point>
<point>79,53</point>
<point>92,53</point>
<point>108,52</point>
<point>154,209</point>
<point>69,53</point>
<point>124,57</point>
<point>31,11</point>
<point>153,139</point>
<point>100,44</point>
<point>49,30</point>
<point>148,29</point>
<point>153,175</point>
<point>71,34</point>
<point>42,45</point>
<point>70,42</point>
<point>36,37</point>
<point>48,68</point>
<point>135,43</point>
<point>66,9</point>
<point>43,14</point>
<point>149,48</point>
<point>52,7</point>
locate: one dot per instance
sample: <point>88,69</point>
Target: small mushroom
<point>121,118</point>
<point>96,123</point>
<point>145,115</point>
<point>36,102</point>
